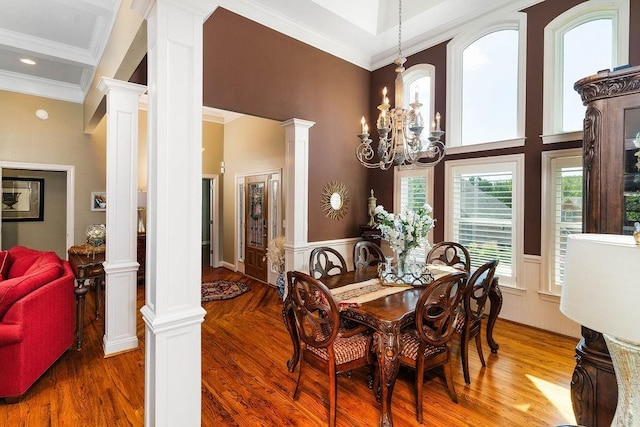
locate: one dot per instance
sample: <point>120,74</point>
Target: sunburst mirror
<point>335,200</point>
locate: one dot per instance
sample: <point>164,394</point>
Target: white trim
<point>498,145</point>
<point>71,190</point>
<point>511,21</point>
<point>209,114</point>
<point>562,137</point>
<point>514,163</point>
<point>547,204</point>
<point>618,11</point>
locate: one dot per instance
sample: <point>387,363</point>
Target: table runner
<point>361,292</point>
<point>358,293</point>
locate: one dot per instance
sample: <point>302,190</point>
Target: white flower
<point>407,230</point>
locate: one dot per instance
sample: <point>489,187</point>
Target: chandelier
<point>400,129</point>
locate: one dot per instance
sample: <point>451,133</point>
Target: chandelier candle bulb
<point>437,121</point>
<point>364,125</point>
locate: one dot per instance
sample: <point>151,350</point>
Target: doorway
<point>210,222</point>
<point>256,226</point>
<point>58,209</point>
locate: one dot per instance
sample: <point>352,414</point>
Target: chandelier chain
<point>399,28</point>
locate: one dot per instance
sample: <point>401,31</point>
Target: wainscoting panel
<point>533,308</point>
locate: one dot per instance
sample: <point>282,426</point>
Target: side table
<point>87,268</point>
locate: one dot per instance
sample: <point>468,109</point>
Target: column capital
<point>305,124</point>
<point>105,85</point>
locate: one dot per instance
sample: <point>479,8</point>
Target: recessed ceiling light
<point>27,61</point>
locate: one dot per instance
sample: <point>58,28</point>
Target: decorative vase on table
<point>402,263</point>
<point>404,232</point>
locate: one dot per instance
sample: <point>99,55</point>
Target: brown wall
<point>251,69</point>
<point>538,17</point>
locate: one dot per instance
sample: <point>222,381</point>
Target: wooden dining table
<point>387,316</point>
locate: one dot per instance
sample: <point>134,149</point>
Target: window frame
<point>409,76</point>
<point>618,11</point>
<point>547,284</point>
<point>455,48</point>
<point>513,163</point>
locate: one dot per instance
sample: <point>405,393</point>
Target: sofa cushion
<point>23,259</point>
<point>5,264</point>
<point>44,268</point>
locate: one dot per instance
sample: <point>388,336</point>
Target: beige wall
<point>251,144</point>
<point>59,141</point>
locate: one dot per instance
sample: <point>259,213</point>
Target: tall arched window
<point>486,85</point>
<point>587,38</point>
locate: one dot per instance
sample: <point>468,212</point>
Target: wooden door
<point>256,222</point>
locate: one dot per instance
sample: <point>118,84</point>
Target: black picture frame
<point>22,199</point>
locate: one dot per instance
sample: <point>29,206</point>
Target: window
<point>414,188</point>
<point>484,201</point>
<point>587,38</point>
<point>420,80</point>
<point>562,207</point>
<point>483,62</point>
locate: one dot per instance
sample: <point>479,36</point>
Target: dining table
<point>387,315</point>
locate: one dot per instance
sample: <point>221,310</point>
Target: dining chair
<point>469,326</point>
<point>426,344</point>
<point>325,261</point>
<point>452,254</point>
<point>323,343</point>
<point>366,253</point>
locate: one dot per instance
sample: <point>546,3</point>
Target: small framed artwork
<point>98,201</point>
<point>23,199</point>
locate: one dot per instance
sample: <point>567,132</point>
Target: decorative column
<point>296,172</point>
<point>172,312</point>
<point>121,264</point>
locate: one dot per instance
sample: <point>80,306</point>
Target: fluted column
<point>121,264</point>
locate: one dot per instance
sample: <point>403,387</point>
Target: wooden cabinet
<point>611,205</point>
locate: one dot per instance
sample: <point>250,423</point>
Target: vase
<point>402,264</point>
<point>280,285</point>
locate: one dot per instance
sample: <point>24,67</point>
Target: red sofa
<point>37,316</point>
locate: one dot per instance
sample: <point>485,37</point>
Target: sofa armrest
<point>10,334</point>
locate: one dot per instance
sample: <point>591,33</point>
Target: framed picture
<point>98,201</point>
<point>23,199</point>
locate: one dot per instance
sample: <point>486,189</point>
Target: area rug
<point>222,289</point>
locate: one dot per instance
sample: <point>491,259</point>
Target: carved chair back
<point>366,253</point>
<point>325,261</point>
<point>452,254</point>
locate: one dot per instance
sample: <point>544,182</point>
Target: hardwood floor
<point>245,381</point>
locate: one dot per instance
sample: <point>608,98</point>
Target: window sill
<point>506,289</point>
<point>474,148</point>
<point>549,297</point>
<point>562,137</point>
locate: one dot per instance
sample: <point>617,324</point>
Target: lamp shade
<point>601,287</point>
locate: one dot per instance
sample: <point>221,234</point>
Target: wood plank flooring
<point>245,381</point>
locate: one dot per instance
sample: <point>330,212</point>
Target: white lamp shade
<point>601,287</point>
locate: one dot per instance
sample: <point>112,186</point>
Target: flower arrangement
<point>407,230</point>
<point>275,253</point>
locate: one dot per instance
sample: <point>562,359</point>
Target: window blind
<point>413,194</point>
<point>483,217</point>
<point>567,189</point>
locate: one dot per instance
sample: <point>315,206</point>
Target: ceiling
<point>66,38</point>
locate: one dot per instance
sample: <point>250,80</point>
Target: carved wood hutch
<point>611,204</point>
